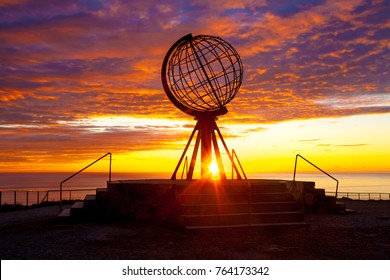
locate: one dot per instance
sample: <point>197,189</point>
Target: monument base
<point>204,204</point>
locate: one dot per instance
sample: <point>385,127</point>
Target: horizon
<point>81,79</point>
<point>169,173</point>
<point>363,183</point>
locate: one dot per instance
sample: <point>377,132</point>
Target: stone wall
<point>142,200</point>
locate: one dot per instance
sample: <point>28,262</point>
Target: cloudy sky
<point>81,78</point>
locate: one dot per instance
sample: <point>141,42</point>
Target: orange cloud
<point>62,63</point>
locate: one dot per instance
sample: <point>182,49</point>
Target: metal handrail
<point>369,195</point>
<point>234,155</point>
<point>78,172</point>
<point>46,197</point>
<point>295,170</point>
<point>26,196</point>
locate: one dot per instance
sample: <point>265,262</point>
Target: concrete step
<point>234,198</point>
<point>319,192</point>
<point>90,197</point>
<point>101,193</point>
<point>236,187</point>
<point>90,202</point>
<point>229,208</point>
<point>77,209</point>
<point>263,225</point>
<point>64,214</point>
<point>92,206</point>
<point>340,206</point>
<point>101,209</point>
<point>276,206</point>
<point>268,188</point>
<point>214,189</point>
<point>329,203</point>
<point>346,212</point>
<point>242,218</point>
<point>262,204</point>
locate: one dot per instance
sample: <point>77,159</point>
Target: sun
<point>213,168</point>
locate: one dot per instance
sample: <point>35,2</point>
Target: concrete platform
<point>206,204</point>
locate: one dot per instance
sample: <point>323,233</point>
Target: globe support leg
<point>218,156</point>
<point>194,156</point>
<point>173,177</point>
<point>205,131</point>
<point>206,140</point>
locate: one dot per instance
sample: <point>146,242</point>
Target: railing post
<point>232,165</point>
<point>14,198</point>
<point>295,166</point>
<point>1,193</point>
<point>26,198</point>
<point>295,169</point>
<point>81,170</point>
<point>109,176</point>
<point>60,197</point>
<point>234,155</point>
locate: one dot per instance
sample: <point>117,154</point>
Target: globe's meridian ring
<point>190,88</point>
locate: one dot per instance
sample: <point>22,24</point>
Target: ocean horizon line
<point>170,172</point>
<point>347,181</point>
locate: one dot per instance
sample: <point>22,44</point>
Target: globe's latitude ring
<point>201,74</point>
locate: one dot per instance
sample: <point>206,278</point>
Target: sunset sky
<point>82,78</point>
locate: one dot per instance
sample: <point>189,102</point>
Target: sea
<point>32,188</point>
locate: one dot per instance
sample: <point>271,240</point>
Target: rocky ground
<point>37,234</point>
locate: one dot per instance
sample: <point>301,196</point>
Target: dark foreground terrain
<point>37,234</point>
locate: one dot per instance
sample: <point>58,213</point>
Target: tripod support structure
<point>206,128</point>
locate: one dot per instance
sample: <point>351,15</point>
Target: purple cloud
<point>64,61</point>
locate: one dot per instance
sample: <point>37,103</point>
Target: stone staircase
<point>238,204</point>
<point>313,199</point>
<point>93,206</point>
<point>201,204</point>
<point>330,204</point>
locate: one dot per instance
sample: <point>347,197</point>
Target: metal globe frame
<point>200,76</point>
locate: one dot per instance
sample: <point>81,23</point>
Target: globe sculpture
<point>201,75</point>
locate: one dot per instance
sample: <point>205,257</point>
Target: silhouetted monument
<point>201,75</point>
